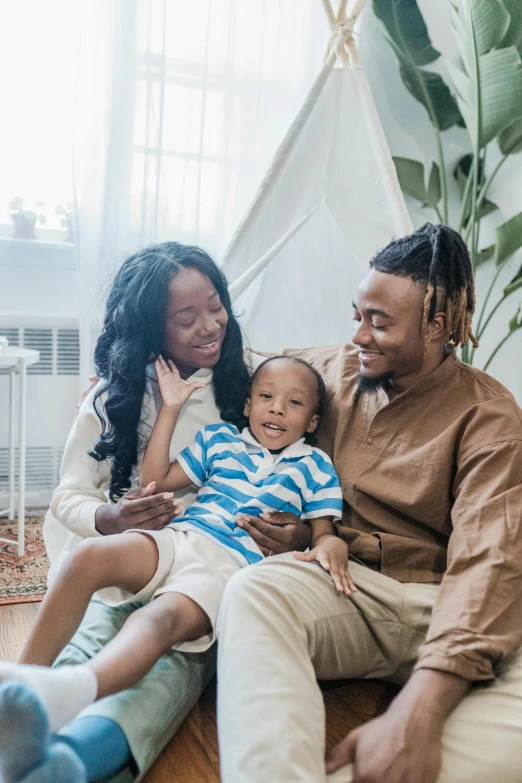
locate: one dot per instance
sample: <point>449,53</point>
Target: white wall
<point>38,277</point>
<point>410,135</point>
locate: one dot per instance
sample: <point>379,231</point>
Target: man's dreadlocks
<point>437,257</point>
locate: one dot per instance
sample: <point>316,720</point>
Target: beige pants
<point>282,625</point>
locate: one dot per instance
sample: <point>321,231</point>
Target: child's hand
<point>174,391</point>
<point>332,554</point>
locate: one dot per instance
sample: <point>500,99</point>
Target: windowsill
<point>26,244</point>
<point>51,253</point>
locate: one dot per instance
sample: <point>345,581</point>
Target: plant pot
<point>68,225</point>
<point>23,228</point>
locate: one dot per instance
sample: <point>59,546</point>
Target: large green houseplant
<point>486,98</point>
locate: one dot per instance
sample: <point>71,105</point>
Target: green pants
<point>152,711</point>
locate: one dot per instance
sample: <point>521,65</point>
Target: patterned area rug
<point>23,579</point>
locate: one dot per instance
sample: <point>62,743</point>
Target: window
<point>211,102</point>
<point>38,54</point>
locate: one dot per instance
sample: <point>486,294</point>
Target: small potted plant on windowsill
<point>66,219</point>
<point>25,219</point>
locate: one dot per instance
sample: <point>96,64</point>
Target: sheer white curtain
<point>180,106</point>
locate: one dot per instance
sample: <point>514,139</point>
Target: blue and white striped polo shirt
<point>238,476</point>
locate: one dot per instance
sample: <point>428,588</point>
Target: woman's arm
<point>80,503</point>
<point>83,481</point>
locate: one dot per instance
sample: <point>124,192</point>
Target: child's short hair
<point>310,437</point>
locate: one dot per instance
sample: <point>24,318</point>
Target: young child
<point>268,467</point>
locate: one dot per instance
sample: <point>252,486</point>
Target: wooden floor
<point>192,756</point>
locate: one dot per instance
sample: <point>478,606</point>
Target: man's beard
<point>373,384</point>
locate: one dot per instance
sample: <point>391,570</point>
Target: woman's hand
<point>174,391</point>
<point>93,380</point>
<point>140,509</point>
<point>277,532</point>
<point>332,555</point>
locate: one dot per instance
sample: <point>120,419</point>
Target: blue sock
<point>61,766</point>
<point>100,743</point>
<point>26,754</point>
<point>24,730</point>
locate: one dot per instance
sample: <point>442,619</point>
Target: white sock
<point>63,691</point>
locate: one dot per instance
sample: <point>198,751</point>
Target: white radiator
<point>52,391</point>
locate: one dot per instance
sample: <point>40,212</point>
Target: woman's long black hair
<point>133,335</point>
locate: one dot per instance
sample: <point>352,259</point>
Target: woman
<point>169,299</point>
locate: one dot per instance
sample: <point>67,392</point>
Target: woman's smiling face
<point>196,322</point>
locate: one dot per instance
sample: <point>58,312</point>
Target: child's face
<point>282,404</point>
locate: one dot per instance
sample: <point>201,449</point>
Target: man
<point>429,453</point>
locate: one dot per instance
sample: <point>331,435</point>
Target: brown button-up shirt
<point>432,483</point>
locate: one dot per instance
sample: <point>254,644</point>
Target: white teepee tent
<point>329,201</point>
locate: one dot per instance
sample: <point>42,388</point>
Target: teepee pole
<point>329,11</point>
<point>241,284</point>
<point>341,13</point>
<point>282,155</point>
<point>350,44</point>
<point>334,19</point>
<point>341,16</point>
<point>348,53</point>
<point>331,23</point>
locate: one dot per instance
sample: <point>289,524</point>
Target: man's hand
<point>386,751</point>
<point>404,744</point>
<point>140,509</point>
<point>277,532</point>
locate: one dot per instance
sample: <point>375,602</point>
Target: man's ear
<point>437,327</point>
<point>313,423</point>
<point>246,409</point>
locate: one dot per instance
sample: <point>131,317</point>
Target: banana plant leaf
<point>490,21</point>
<point>409,38</point>
<point>412,179</point>
<point>407,28</point>
<point>484,255</point>
<point>434,186</point>
<point>431,90</point>
<point>513,36</point>
<point>508,239</point>
<point>514,284</point>
<point>516,321</point>
<point>461,172</point>
<point>480,28</point>
<point>510,139</point>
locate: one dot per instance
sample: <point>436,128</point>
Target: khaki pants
<point>282,625</point>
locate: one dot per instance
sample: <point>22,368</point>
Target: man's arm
<point>404,744</point>
<point>475,621</point>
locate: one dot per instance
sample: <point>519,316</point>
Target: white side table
<point>15,361</point>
